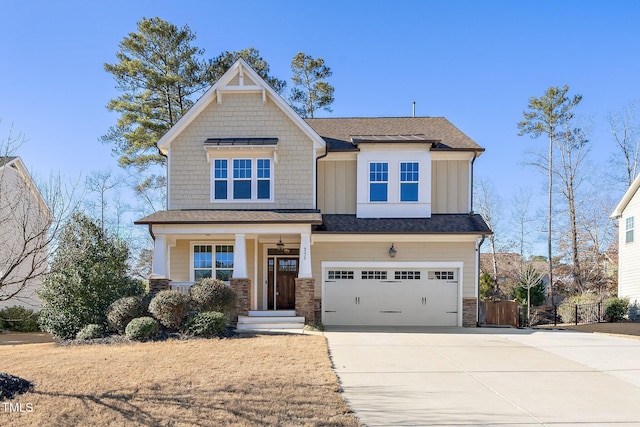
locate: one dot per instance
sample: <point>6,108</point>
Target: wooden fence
<point>501,313</point>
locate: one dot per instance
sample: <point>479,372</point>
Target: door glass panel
<point>290,265</point>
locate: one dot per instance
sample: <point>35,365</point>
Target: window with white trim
<point>409,178</point>
<point>248,180</point>
<point>629,226</point>
<point>213,261</point>
<point>378,181</point>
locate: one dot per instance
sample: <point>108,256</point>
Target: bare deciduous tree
<point>625,130</point>
<point>30,221</point>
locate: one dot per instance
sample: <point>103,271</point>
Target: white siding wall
<point>629,253</point>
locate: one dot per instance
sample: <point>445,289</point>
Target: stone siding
<point>305,300</point>
<point>242,288</point>
<point>157,285</point>
<point>469,312</point>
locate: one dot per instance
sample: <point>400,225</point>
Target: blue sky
<point>474,62</point>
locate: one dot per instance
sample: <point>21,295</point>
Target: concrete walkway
<point>485,377</point>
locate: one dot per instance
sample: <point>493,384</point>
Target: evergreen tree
<point>311,92</point>
<point>226,59</point>
<point>88,273</point>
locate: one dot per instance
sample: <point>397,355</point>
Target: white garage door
<point>390,296</point>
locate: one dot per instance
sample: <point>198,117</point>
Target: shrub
<point>170,308</point>
<point>123,311</point>
<point>615,309</point>
<point>142,328</point>
<point>213,295</point>
<point>207,324</point>
<point>19,319</point>
<point>587,307</point>
<point>90,332</point>
<point>90,271</point>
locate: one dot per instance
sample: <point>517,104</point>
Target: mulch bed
<point>10,386</point>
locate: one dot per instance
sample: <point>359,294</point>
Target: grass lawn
<point>275,380</point>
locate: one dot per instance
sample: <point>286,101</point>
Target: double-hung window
<point>409,177</point>
<point>378,181</point>
<point>629,230</point>
<point>242,179</point>
<point>213,261</point>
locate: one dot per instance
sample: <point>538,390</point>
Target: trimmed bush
<point>207,324</point>
<point>90,332</point>
<point>123,311</point>
<point>170,308</point>
<point>615,309</point>
<point>142,328</point>
<point>19,319</point>
<point>213,295</point>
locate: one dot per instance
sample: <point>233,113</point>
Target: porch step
<point>273,320</point>
<point>270,313</point>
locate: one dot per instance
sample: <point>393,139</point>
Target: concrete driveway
<point>485,376</point>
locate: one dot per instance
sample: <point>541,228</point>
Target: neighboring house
<point>628,212</point>
<point>24,225</point>
<point>347,221</point>
<point>509,266</point>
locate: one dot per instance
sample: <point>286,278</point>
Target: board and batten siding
<point>450,186</point>
<point>406,251</point>
<point>337,185</point>
<point>241,116</point>
<point>629,253</point>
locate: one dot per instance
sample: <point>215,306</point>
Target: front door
<point>283,294</point>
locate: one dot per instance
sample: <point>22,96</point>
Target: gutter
<point>326,152</point>
<point>475,156</point>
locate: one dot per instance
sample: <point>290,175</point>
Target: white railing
<point>182,286</point>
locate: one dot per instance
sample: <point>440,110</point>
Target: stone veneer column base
<point>305,298</point>
<point>469,312</point>
<point>242,288</point>
<point>157,285</point>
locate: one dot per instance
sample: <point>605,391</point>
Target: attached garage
<point>393,294</point>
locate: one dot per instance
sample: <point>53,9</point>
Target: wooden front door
<point>282,271</point>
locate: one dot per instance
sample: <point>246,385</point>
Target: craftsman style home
<point>344,221</point>
<point>628,213</point>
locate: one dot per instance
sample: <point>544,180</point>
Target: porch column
<point>159,263</point>
<point>304,271</point>
<point>240,258</point>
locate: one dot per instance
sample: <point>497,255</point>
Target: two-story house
<point>628,213</point>
<point>361,221</point>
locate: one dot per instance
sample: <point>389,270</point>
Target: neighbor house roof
<point>437,224</point>
<point>633,189</point>
<point>213,216</point>
<point>6,159</point>
<point>343,134</point>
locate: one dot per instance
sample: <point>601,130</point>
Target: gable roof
<point>342,134</point>
<point>223,85</point>
<point>22,169</point>
<point>633,189</point>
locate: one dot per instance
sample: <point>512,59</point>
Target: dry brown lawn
<point>274,380</point>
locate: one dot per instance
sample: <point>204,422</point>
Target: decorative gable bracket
<point>241,87</point>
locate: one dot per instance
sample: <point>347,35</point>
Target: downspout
<point>475,156</point>
<point>326,151</point>
<point>484,236</point>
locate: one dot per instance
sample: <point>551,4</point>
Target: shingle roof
<point>6,159</point>
<point>232,217</point>
<point>337,132</point>
<point>437,224</point>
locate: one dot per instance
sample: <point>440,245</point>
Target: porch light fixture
<point>392,251</point>
<point>280,245</point>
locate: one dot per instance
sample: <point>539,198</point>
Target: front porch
<point>269,264</point>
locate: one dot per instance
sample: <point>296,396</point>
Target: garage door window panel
<point>374,275</point>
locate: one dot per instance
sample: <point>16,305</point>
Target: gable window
<point>378,181</point>
<point>629,230</point>
<point>248,180</point>
<point>409,177</point>
<point>207,263</point>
